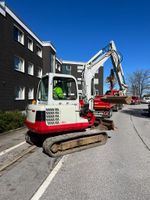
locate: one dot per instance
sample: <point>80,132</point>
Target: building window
<point>80,67</point>
<point>79,80</point>
<point>30,69</point>
<point>20,93</point>
<point>38,51</point>
<point>18,35</point>
<point>97,92</point>
<point>39,72</point>
<point>58,67</point>
<point>68,68</point>
<point>95,81</point>
<point>30,44</point>
<point>19,64</point>
<point>53,63</point>
<point>31,93</point>
<point>79,70</point>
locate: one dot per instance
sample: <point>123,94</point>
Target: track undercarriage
<point>66,143</point>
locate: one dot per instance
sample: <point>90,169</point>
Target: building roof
<point>59,60</point>
<point>4,9</point>
<point>72,62</point>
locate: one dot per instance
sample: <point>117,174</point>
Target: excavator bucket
<point>117,99</point>
<point>73,142</point>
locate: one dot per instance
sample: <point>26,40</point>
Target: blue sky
<point>80,28</point>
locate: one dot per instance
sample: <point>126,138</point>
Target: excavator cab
<point>54,113</point>
<point>56,87</point>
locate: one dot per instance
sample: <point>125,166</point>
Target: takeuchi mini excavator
<point>61,123</point>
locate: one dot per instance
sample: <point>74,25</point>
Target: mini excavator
<point>63,125</point>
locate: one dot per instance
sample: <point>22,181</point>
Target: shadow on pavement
<point>137,112</point>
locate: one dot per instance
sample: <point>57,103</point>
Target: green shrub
<point>11,120</point>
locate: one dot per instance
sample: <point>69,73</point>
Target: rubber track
<point>50,141</point>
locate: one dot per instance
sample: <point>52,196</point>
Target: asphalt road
<point>119,170</point>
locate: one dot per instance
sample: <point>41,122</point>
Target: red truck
<point>101,108</point>
<point>115,107</point>
<point>135,100</point>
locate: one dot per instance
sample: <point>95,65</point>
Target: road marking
<point>48,180</point>
<point>11,148</point>
<point>17,158</point>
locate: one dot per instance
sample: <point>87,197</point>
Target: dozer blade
<point>109,124</point>
<point>73,142</point>
<point>117,99</point>
<point>104,124</point>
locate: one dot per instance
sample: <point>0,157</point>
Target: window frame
<point>32,93</point>
<point>80,67</point>
<point>96,81</point>
<point>68,68</point>
<point>20,96</point>
<point>18,35</point>
<point>29,39</point>
<point>32,74</point>
<point>41,72</point>
<point>22,69</point>
<point>38,53</point>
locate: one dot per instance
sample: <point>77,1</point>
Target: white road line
<point>48,180</point>
<point>11,148</point>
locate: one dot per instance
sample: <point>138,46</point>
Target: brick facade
<point>10,78</point>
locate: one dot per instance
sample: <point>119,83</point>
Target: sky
<point>80,28</point>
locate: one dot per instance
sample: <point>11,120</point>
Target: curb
<point>13,130</point>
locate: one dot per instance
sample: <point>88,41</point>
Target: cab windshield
<point>64,88</point>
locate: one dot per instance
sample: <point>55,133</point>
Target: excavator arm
<point>94,64</point>
<point>117,67</point>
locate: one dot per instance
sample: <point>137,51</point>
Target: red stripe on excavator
<point>42,128</point>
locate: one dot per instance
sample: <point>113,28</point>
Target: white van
<point>146,100</point>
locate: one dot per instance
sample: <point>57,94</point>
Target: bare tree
<point>139,82</point>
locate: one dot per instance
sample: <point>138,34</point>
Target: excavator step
<point>73,142</point>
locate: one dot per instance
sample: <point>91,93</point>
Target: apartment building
<point>23,60</point>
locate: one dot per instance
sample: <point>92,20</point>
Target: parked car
<point>149,109</point>
<point>145,100</point>
<point>135,100</point>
